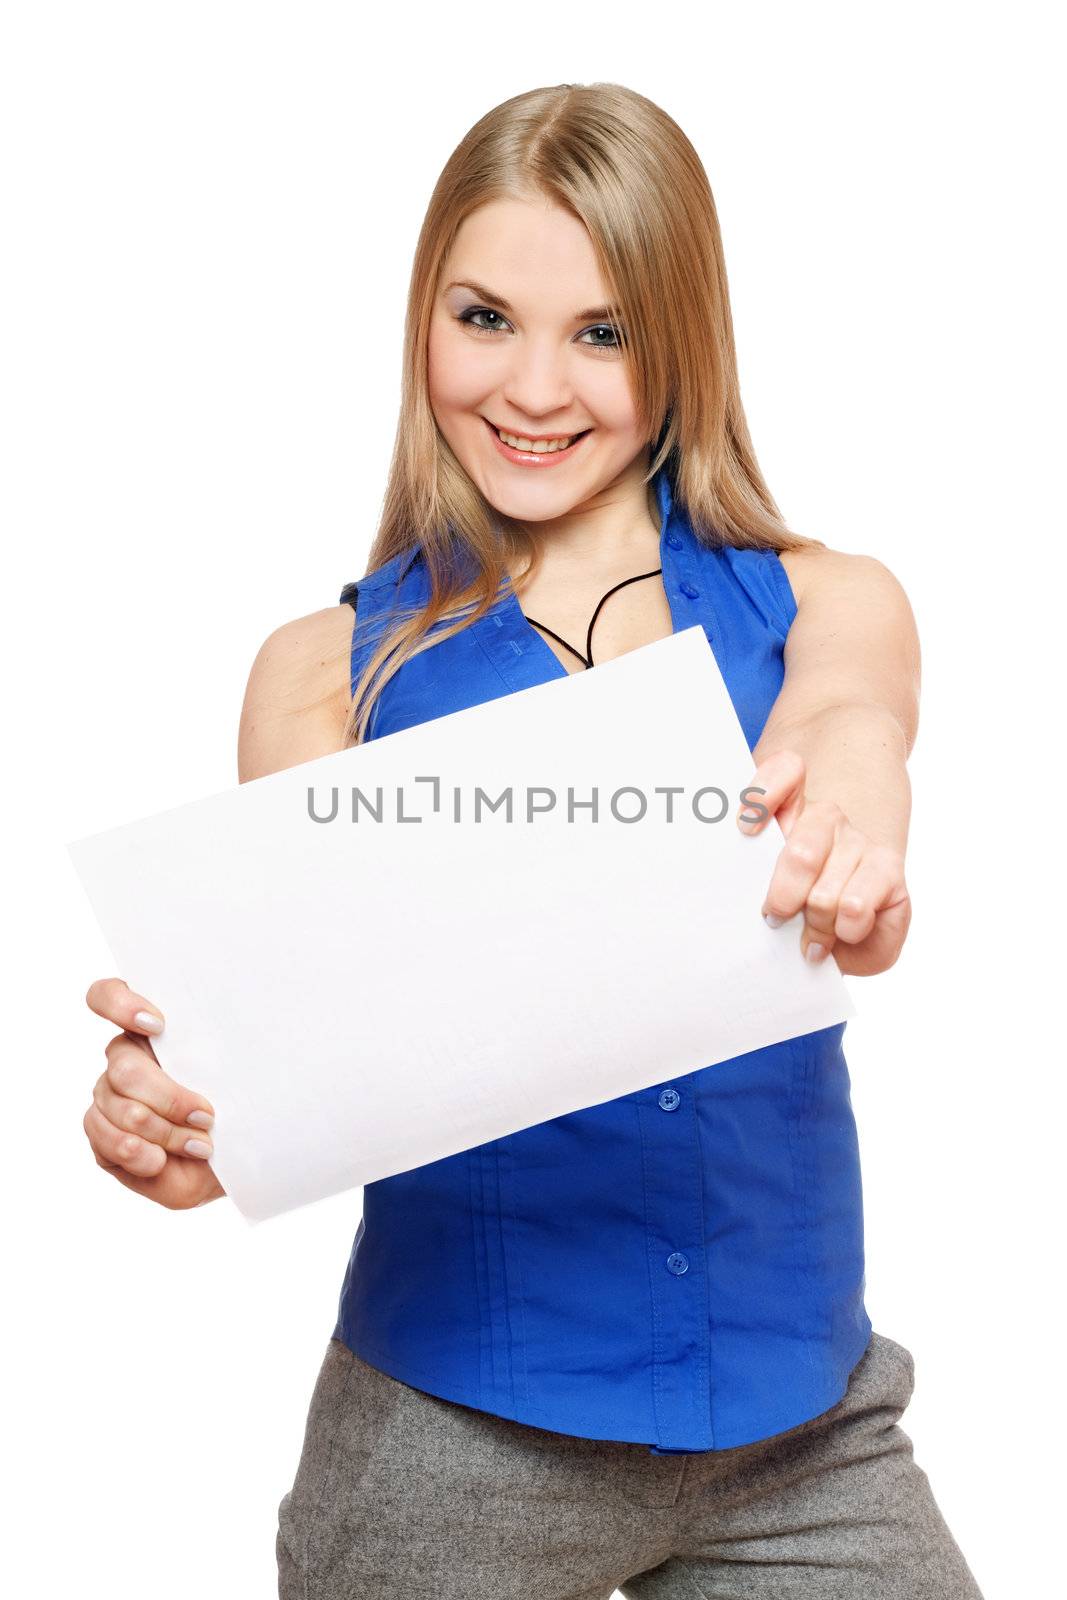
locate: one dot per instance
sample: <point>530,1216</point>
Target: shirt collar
<point>661,484</point>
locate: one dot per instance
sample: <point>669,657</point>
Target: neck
<point>616,528</point>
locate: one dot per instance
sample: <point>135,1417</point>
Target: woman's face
<point>528,350</point>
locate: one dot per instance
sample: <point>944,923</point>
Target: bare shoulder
<point>298,693</point>
<point>818,574</point>
<point>853,638</point>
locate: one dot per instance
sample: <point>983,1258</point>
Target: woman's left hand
<point>851,890</point>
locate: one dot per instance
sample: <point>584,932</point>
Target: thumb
<point>781,776</point>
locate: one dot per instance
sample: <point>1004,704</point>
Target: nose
<point>538,384</point>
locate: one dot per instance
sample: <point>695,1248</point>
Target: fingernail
<point>200,1119</point>
<point>815,952</point>
<point>749,825</point>
<point>197,1147</point>
<point>771,920</point>
<point>145,1019</point>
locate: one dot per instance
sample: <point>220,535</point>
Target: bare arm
<point>297,697</point>
<point>833,756</point>
<point>850,701</point>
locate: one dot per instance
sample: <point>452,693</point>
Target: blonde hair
<point>618,163</point>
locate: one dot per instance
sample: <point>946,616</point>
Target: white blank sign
<point>358,994</point>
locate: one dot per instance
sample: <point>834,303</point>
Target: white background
<point>210,212</point>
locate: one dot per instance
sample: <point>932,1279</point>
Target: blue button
<point>677,1263</point>
<point>689,591</point>
<point>669,1100</point>
<point>674,541</point>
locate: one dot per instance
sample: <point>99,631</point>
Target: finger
<point>133,1116</point>
<point>799,864</point>
<point>822,906</point>
<point>134,1073</point>
<point>781,776</point>
<point>875,886</point>
<point>115,1148</point>
<point>114,999</point>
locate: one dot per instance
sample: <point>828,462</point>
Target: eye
<point>467,317</point>
<point>608,328</point>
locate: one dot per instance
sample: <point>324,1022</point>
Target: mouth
<point>523,451</point>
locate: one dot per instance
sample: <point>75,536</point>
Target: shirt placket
<point>677,1267</point>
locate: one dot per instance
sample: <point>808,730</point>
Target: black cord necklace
<point>587,659</point>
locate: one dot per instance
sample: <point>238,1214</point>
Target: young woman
<point>626,1348</point>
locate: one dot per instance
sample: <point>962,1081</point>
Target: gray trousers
<point>401,1494</point>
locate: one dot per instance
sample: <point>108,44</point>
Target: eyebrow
<point>593,314</point>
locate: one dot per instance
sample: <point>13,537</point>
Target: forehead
<point>528,251</point>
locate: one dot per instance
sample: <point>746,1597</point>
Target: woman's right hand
<point>141,1122</point>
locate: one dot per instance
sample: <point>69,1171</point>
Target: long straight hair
<point>619,164</point>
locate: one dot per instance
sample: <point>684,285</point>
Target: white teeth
<point>538,447</point>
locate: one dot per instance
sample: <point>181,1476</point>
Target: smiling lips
<point>526,452</point>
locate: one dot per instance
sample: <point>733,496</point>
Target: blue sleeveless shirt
<point>681,1267</point>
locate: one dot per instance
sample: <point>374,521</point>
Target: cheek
<point>608,397</point>
<point>456,379</point>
